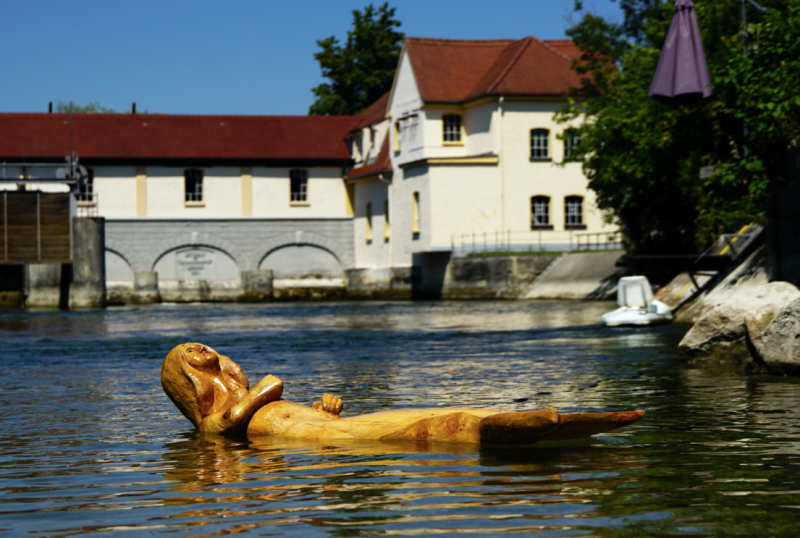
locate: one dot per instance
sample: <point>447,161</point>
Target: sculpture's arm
<point>329,404</point>
<point>236,417</point>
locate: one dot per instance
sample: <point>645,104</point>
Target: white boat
<point>636,304</point>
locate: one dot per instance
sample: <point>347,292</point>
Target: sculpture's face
<point>200,357</point>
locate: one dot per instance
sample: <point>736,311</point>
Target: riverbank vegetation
<point>643,158</point>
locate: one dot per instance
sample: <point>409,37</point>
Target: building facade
<point>462,155</point>
<point>466,155</point>
<point>197,205</point>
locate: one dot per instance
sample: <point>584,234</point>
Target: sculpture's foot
<point>577,425</point>
<point>522,427</point>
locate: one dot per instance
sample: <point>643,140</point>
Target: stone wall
<point>435,275</point>
<point>180,260</point>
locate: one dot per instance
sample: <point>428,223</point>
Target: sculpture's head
<point>200,381</point>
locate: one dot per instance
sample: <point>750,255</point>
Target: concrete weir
<point>80,284</point>
<point>435,275</point>
<point>579,275</point>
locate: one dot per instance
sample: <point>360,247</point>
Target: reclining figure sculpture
<point>213,393</point>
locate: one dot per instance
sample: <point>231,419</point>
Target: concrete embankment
<point>539,276</point>
<point>579,275</point>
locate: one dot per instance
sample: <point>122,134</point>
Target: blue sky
<point>234,57</point>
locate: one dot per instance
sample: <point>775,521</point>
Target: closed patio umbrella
<point>682,74</point>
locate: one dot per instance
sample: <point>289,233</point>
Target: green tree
<point>642,158</point>
<point>92,107</point>
<point>362,69</point>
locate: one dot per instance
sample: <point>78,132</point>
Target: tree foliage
<point>361,69</point>
<point>92,107</point>
<point>642,158</point>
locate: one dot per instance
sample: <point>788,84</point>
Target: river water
<point>92,446</point>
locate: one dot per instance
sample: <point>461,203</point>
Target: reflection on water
<point>92,445</point>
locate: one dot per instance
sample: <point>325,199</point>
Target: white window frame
<point>298,177</point>
<point>86,195</point>
<point>452,129</point>
<point>573,211</point>
<point>540,144</point>
<point>540,212</point>
<point>193,187</point>
<point>416,228</point>
<point>572,138</point>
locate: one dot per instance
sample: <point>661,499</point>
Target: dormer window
<point>451,124</point>
<point>358,148</point>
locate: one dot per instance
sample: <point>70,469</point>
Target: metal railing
<point>86,204</point>
<point>598,241</point>
<point>530,241</point>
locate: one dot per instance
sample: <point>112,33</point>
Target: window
<point>368,215</point>
<point>415,227</point>
<point>405,132</point>
<point>540,212</point>
<point>359,148</point>
<point>572,138</point>
<point>298,180</point>
<point>86,189</point>
<point>193,181</point>
<point>451,129</point>
<point>540,139</point>
<point>386,220</point>
<point>573,211</point>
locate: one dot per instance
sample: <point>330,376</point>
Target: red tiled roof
<point>157,136</point>
<point>382,164</point>
<point>374,113</point>
<point>454,71</point>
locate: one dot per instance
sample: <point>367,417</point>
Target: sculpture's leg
<point>522,427</point>
<point>577,425</point>
<point>456,427</point>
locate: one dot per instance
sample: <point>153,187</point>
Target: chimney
<point>133,108</point>
<point>50,107</point>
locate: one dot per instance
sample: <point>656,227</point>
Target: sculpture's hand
<point>329,404</point>
<point>267,390</point>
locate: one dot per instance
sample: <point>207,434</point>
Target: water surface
<point>92,446</point>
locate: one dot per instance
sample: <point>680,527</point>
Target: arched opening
<point>303,265</point>
<point>195,263</point>
<point>118,270</point>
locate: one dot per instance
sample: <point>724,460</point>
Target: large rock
<point>719,335</point>
<point>779,347</point>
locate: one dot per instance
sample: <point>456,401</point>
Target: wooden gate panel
<point>35,228</point>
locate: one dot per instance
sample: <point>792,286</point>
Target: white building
<point>465,154</point>
<point>196,206</point>
<point>461,155</point>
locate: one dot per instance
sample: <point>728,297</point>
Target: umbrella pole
<point>761,11</point>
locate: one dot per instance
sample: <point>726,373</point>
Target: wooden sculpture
<point>213,393</point>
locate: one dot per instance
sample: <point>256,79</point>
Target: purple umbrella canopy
<point>682,74</point>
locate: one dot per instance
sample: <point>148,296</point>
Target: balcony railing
<point>544,239</point>
<point>86,203</point>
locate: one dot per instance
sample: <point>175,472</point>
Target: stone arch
<point>299,238</point>
<point>196,263</point>
<point>199,239</point>
<point>126,251</point>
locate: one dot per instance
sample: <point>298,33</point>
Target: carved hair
<point>191,389</point>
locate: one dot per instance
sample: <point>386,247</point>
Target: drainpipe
<point>502,164</point>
